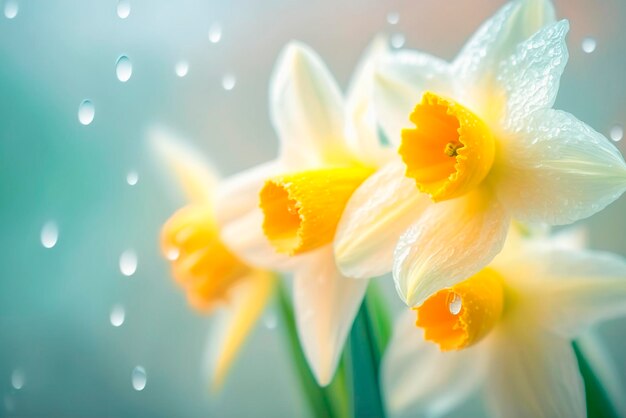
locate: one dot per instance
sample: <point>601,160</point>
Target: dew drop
<point>49,234</point>
<point>123,9</point>
<point>128,262</point>
<point>18,379</point>
<point>215,33</point>
<point>182,68</point>
<point>588,45</point>
<point>132,178</point>
<point>139,378</point>
<point>86,112</point>
<point>455,304</point>
<point>173,254</point>
<point>397,40</point>
<point>617,133</point>
<point>123,68</point>
<point>118,315</point>
<point>229,81</point>
<point>393,18</point>
<point>270,321</point>
<point>10,9</point>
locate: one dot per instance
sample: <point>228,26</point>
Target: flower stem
<point>321,400</point>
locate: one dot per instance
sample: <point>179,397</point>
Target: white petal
<point>306,109</point>
<point>418,378</point>
<point>534,374</point>
<point>475,66</point>
<point>580,288</point>
<point>557,170</point>
<point>245,237</point>
<point>325,304</point>
<point>530,77</point>
<point>451,241</point>
<point>376,215</point>
<point>192,172</point>
<point>361,128</point>
<point>399,85</point>
<point>234,323</point>
<point>238,195</point>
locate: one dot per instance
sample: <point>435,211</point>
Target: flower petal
<point>400,83</point>
<point>557,170</point>
<point>376,215</point>
<point>419,378</point>
<point>581,288</point>
<point>451,241</point>
<point>325,304</point>
<point>476,65</point>
<point>234,323</point>
<point>194,174</point>
<point>530,77</point>
<point>306,108</point>
<point>361,128</point>
<point>533,374</point>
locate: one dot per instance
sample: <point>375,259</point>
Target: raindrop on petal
<point>455,304</point>
<point>617,133</point>
<point>139,378</point>
<point>10,9</point>
<point>173,254</point>
<point>18,379</point>
<point>270,321</point>
<point>132,178</point>
<point>215,33</point>
<point>397,40</point>
<point>123,68</point>
<point>393,18</point>
<point>182,68</point>
<point>49,234</point>
<point>128,262</point>
<point>123,9</point>
<point>229,81</point>
<point>588,45</point>
<point>118,315</point>
<point>86,112</point>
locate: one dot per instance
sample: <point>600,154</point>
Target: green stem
<point>366,355</point>
<point>318,398</point>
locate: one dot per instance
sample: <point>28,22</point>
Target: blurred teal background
<point>60,355</point>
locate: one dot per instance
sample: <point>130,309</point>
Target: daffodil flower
<point>506,333</point>
<point>479,144</point>
<point>215,280</point>
<point>328,146</point>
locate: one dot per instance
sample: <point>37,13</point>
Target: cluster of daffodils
<point>426,169</point>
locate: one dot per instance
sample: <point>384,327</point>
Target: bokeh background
<point>78,337</point>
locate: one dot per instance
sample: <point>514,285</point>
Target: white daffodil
<point>479,144</point>
<point>215,280</point>
<point>506,333</point>
<point>328,146</point>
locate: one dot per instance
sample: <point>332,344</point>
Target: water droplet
<point>86,112</point>
<point>139,378</point>
<point>617,133</point>
<point>229,81</point>
<point>215,33</point>
<point>454,304</point>
<point>123,68</point>
<point>118,315</point>
<point>123,9</point>
<point>18,379</point>
<point>397,40</point>
<point>128,262</point>
<point>182,68</point>
<point>393,18</point>
<point>589,45</point>
<point>10,9</point>
<point>132,178</point>
<point>49,234</point>
<point>173,254</point>
<point>270,321</point>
